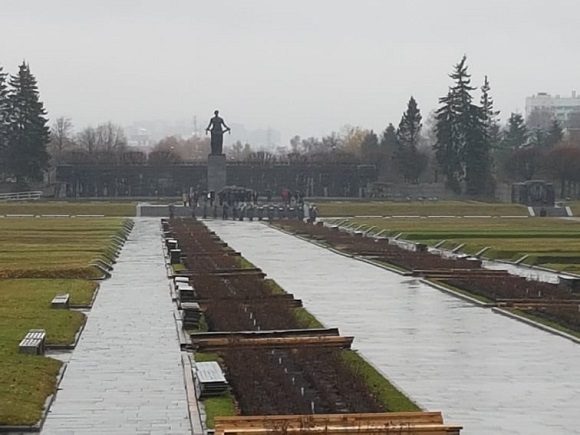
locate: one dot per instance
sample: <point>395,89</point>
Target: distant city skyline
<point>155,130</point>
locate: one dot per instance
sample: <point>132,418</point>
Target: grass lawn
<point>53,248</point>
<point>549,242</point>
<point>35,257</point>
<point>69,207</point>
<point>25,380</point>
<point>222,406</point>
<point>419,208</point>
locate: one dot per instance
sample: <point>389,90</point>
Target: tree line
<point>461,143</point>
<point>464,144</point>
<point>105,143</point>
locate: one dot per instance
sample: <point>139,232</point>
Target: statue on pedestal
<point>217,134</point>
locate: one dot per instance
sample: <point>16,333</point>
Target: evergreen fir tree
<point>410,125</point>
<point>387,147</point>
<point>389,141</point>
<point>28,133</point>
<point>408,135</point>
<point>490,115</point>
<point>462,147</point>
<point>448,143</point>
<point>369,147</point>
<point>538,138</point>
<point>555,134</point>
<point>4,116</point>
<point>477,155</point>
<point>516,135</point>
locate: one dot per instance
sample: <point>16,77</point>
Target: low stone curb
<point>193,406</point>
<point>539,325</point>
<point>457,294</point>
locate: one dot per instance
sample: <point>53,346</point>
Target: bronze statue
<point>217,134</point>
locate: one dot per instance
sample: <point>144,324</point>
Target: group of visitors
<point>270,212</point>
<point>229,196</point>
<point>292,198</point>
<point>239,203</point>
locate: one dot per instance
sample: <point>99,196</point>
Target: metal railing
<point>21,196</point>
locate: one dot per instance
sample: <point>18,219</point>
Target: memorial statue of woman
<point>217,134</point>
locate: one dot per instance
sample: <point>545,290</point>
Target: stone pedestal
<point>216,172</point>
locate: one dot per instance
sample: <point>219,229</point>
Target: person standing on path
<point>217,134</point>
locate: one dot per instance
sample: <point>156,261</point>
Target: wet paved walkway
<point>492,374</point>
<point>125,376</point>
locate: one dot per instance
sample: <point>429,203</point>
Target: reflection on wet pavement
<point>492,374</point>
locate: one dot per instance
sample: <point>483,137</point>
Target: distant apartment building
<point>565,109</point>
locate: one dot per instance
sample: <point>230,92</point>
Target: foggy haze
<point>298,67</point>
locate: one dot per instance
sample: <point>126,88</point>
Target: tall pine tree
<point>4,111</point>
<point>448,145</point>
<point>410,126</point>
<point>387,148</point>
<point>477,153</point>
<point>407,155</point>
<point>462,148</point>
<point>490,115</point>
<point>370,144</point>
<point>389,141</point>
<point>516,134</point>
<point>555,134</point>
<point>28,133</point>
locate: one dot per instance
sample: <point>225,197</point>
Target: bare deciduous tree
<point>87,139</point>
<point>111,138</point>
<point>61,139</point>
<point>107,138</point>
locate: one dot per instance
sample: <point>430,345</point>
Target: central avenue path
<point>125,375</point>
<point>492,374</point>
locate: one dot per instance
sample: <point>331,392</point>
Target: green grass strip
<point>222,406</point>
<point>245,264</point>
<point>387,394</point>
<point>106,208</point>
<point>206,356</point>
<point>306,320</point>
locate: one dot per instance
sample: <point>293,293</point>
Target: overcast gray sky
<point>303,67</point>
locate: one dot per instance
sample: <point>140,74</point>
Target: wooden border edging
<point>389,422</point>
<point>281,333</point>
<point>216,344</point>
